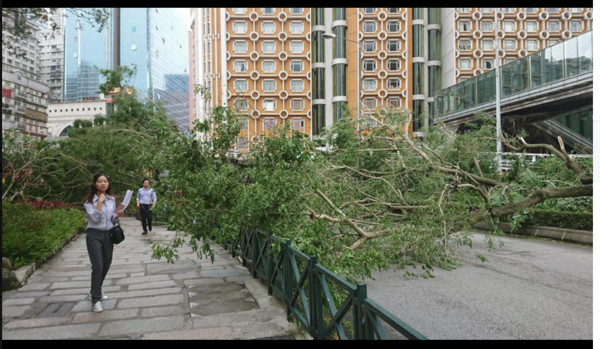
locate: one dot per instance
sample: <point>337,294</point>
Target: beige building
<point>301,65</point>
<point>62,115</point>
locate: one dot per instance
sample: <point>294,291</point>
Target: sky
<point>184,13</point>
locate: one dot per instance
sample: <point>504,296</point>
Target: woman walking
<point>100,207</point>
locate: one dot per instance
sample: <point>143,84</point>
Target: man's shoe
<point>144,233</point>
<point>97,308</point>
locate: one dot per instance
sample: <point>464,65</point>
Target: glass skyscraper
<point>154,40</point>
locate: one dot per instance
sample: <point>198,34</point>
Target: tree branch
<point>535,198</point>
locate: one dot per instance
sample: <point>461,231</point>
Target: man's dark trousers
<point>146,215</point>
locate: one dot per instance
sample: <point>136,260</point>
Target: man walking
<point>146,199</point>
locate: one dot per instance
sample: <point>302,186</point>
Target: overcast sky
<point>184,13</point>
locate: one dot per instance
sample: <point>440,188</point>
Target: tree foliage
<point>378,197</point>
<point>19,23</point>
<point>128,145</point>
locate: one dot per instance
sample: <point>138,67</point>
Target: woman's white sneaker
<point>97,308</point>
<point>104,297</point>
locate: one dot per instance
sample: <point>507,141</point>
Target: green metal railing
<point>309,291</point>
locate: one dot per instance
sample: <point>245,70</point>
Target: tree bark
<point>535,198</point>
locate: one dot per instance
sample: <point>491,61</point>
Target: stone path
<point>148,299</point>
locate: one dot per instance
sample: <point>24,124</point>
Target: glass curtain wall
<point>318,71</point>
<point>339,68</point>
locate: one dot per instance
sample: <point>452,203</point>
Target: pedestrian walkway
<point>147,299</point>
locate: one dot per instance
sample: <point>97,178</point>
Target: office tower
<point>366,58</point>
<point>24,95</point>
<point>154,40</point>
<point>52,46</point>
<point>258,61</point>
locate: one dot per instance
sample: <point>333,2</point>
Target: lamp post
<point>498,93</point>
<point>333,36</point>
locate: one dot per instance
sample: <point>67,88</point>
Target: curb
<point>562,234</point>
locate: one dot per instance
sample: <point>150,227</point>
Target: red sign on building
<point>6,92</point>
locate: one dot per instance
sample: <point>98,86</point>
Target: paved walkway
<point>148,299</point>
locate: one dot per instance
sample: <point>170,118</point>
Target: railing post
<point>316,302</point>
<point>362,327</point>
<point>253,253</point>
<point>269,267</point>
<point>287,276</point>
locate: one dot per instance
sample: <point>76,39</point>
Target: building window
<point>370,103</point>
<point>393,65</point>
<point>369,46</point>
<point>240,85</point>
<point>241,104</point>
<point>296,27</point>
<point>297,104</point>
<point>532,45</point>
<point>297,85</point>
<point>576,9</point>
<point>464,26</point>
<point>531,9</point>
<point>531,26</point>
<point>510,44</point>
<point>239,10</point>
<point>268,10</point>
<point>268,105</point>
<point>240,47</point>
<point>269,123</point>
<point>393,45</point>
<point>393,102</point>
<point>552,42</point>
<point>464,45</point>
<point>370,65</point>
<point>369,10</point>
<point>508,9</point>
<point>296,10</point>
<point>133,48</point>
<point>269,85</point>
<point>487,45</point>
<point>268,66</point>
<point>487,9</point>
<point>296,47</point>
<point>576,26</point>
<point>393,9</point>
<point>393,84</point>
<point>240,66</point>
<point>297,66</point>
<point>369,84</point>
<point>487,26</point>
<point>268,27</point>
<point>393,26</point>
<point>553,9</point>
<point>268,46</point>
<point>465,63</point>
<point>240,27</point>
<point>487,63</point>
<point>509,59</point>
<point>509,26</point>
<point>464,9</point>
<point>369,27</point>
<point>297,124</point>
<point>553,26</point>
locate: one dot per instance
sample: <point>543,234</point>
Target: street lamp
<point>333,36</point>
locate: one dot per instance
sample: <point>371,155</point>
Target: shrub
<point>33,235</point>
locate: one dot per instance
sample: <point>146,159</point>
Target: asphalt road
<point>528,289</point>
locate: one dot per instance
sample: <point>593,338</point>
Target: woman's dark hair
<point>90,195</point>
<point>145,179</point>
